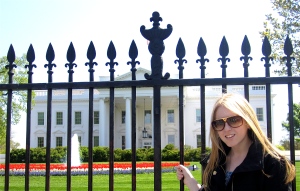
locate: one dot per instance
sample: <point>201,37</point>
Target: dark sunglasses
<point>234,122</point>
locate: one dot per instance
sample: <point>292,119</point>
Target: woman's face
<point>232,137</point>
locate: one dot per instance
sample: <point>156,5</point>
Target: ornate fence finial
<point>71,58</point>
<point>156,37</point>
<point>180,53</point>
<point>133,53</point>
<point>50,57</point>
<point>91,55</point>
<point>30,65</point>
<point>111,54</point>
<point>10,58</point>
<point>201,50</point>
<point>266,51</point>
<point>288,51</point>
<point>246,50</point>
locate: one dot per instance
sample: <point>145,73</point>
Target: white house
<point>122,118</point>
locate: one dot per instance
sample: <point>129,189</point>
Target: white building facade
<point>122,112</point>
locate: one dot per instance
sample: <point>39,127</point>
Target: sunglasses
<point>234,122</point>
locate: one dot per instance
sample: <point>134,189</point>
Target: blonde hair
<point>239,105</point>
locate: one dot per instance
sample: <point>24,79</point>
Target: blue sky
<point>61,22</point>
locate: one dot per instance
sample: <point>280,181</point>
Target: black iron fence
<point>156,80</point>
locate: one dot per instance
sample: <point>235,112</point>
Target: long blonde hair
<point>239,105</point>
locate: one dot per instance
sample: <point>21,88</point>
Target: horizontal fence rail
<point>155,80</point>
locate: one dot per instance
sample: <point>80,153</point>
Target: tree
<point>286,21</point>
<point>286,142</point>
<point>296,117</point>
<point>19,97</point>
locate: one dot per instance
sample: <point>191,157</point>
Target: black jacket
<point>255,173</point>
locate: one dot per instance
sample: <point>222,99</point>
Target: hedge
<point>101,154</point>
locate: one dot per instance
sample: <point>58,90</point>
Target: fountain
<point>75,155</point>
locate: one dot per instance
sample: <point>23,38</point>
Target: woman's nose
<point>227,127</point>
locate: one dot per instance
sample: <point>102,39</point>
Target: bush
<point>118,154</point>
<point>38,155</point>
<point>84,154</point>
<point>58,154</point>
<point>150,154</point>
<point>100,154</point>
<point>17,155</point>
<point>141,154</point>
<point>126,155</point>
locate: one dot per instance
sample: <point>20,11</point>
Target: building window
<point>171,139</point>
<point>79,140</point>
<point>259,114</point>
<point>40,118</point>
<point>147,144</point>
<point>77,117</point>
<point>96,141</point>
<point>96,117</point>
<point>123,142</point>
<point>198,141</point>
<point>59,141</point>
<point>198,115</point>
<point>40,141</point>
<point>170,116</point>
<point>258,87</point>
<point>123,117</point>
<point>59,118</point>
<point>147,116</point>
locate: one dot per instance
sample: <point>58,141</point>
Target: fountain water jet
<point>75,155</point>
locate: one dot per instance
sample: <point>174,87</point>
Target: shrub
<point>17,155</point>
<point>118,154</point>
<point>126,155</point>
<point>141,154</point>
<point>84,154</point>
<point>100,154</point>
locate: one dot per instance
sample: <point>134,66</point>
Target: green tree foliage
<point>284,21</point>
<point>296,117</point>
<point>19,97</point>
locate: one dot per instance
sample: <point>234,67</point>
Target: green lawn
<point>145,182</point>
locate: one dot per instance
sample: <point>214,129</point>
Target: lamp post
<point>145,134</point>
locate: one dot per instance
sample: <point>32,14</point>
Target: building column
<point>102,123</point>
<point>128,124</point>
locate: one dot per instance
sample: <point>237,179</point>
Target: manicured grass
<point>144,182</point>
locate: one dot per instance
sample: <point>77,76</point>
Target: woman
<point>242,158</point>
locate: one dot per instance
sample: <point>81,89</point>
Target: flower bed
<point>39,169</point>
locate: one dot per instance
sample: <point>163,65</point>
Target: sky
<point>61,22</point>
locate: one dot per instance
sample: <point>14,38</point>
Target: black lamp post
<point>145,134</point>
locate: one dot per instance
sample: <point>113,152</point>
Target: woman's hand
<point>184,174</point>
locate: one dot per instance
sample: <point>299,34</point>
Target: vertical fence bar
<point>111,54</point>
<point>71,58</point>
<point>48,138</point>
<point>157,138</point>
<point>180,53</point>
<point>133,52</point>
<point>10,66</point>
<point>156,37</point>
<point>288,51</point>
<point>30,59</point>
<point>201,50</point>
<point>266,50</point>
<point>49,57</point>
<point>91,54</point>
